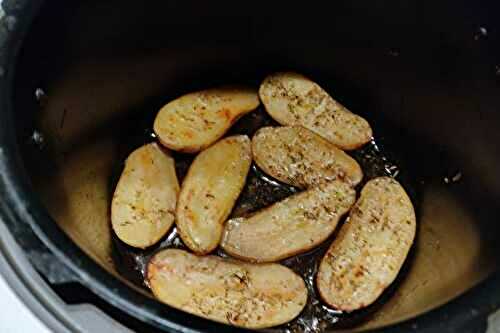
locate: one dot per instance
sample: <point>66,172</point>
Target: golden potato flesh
<point>209,191</point>
<point>194,121</point>
<point>299,157</point>
<point>143,205</point>
<point>293,99</point>
<point>371,247</point>
<point>227,291</point>
<point>291,226</point>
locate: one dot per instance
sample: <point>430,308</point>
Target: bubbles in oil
<point>173,240</point>
<point>152,135</point>
<point>453,178</point>
<point>480,33</point>
<point>39,94</point>
<point>40,97</point>
<point>374,161</point>
<point>38,139</point>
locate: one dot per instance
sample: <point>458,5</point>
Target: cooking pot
<point>80,80</point>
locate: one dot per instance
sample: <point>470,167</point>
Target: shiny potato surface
<point>195,121</point>
<point>226,290</point>
<point>293,99</point>
<point>209,191</point>
<point>366,256</point>
<point>291,226</point>
<point>143,205</point>
<point>299,157</point>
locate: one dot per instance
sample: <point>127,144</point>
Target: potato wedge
<point>209,191</point>
<point>293,99</point>
<point>371,247</point>
<point>225,290</point>
<point>194,121</point>
<point>299,157</point>
<point>291,226</point>
<point>143,205</point>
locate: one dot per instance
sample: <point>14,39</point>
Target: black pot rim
<point>19,203</point>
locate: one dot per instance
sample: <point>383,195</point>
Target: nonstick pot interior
<point>91,76</point>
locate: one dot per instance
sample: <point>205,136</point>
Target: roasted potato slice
<point>143,205</point>
<point>194,121</point>
<point>293,99</point>
<point>299,157</point>
<point>291,226</point>
<point>371,247</point>
<point>209,191</point>
<point>225,290</point>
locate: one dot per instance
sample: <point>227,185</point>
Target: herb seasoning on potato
<point>371,247</point>
<point>209,191</point>
<point>227,291</point>
<point>306,152</point>
<point>143,205</point>
<point>196,120</point>
<point>299,157</point>
<point>293,99</point>
<point>291,226</point>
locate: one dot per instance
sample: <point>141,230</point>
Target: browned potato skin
<point>300,157</point>
<point>289,227</point>
<point>225,290</point>
<point>370,249</point>
<point>209,192</point>
<point>293,99</point>
<point>194,121</point>
<point>143,205</point>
